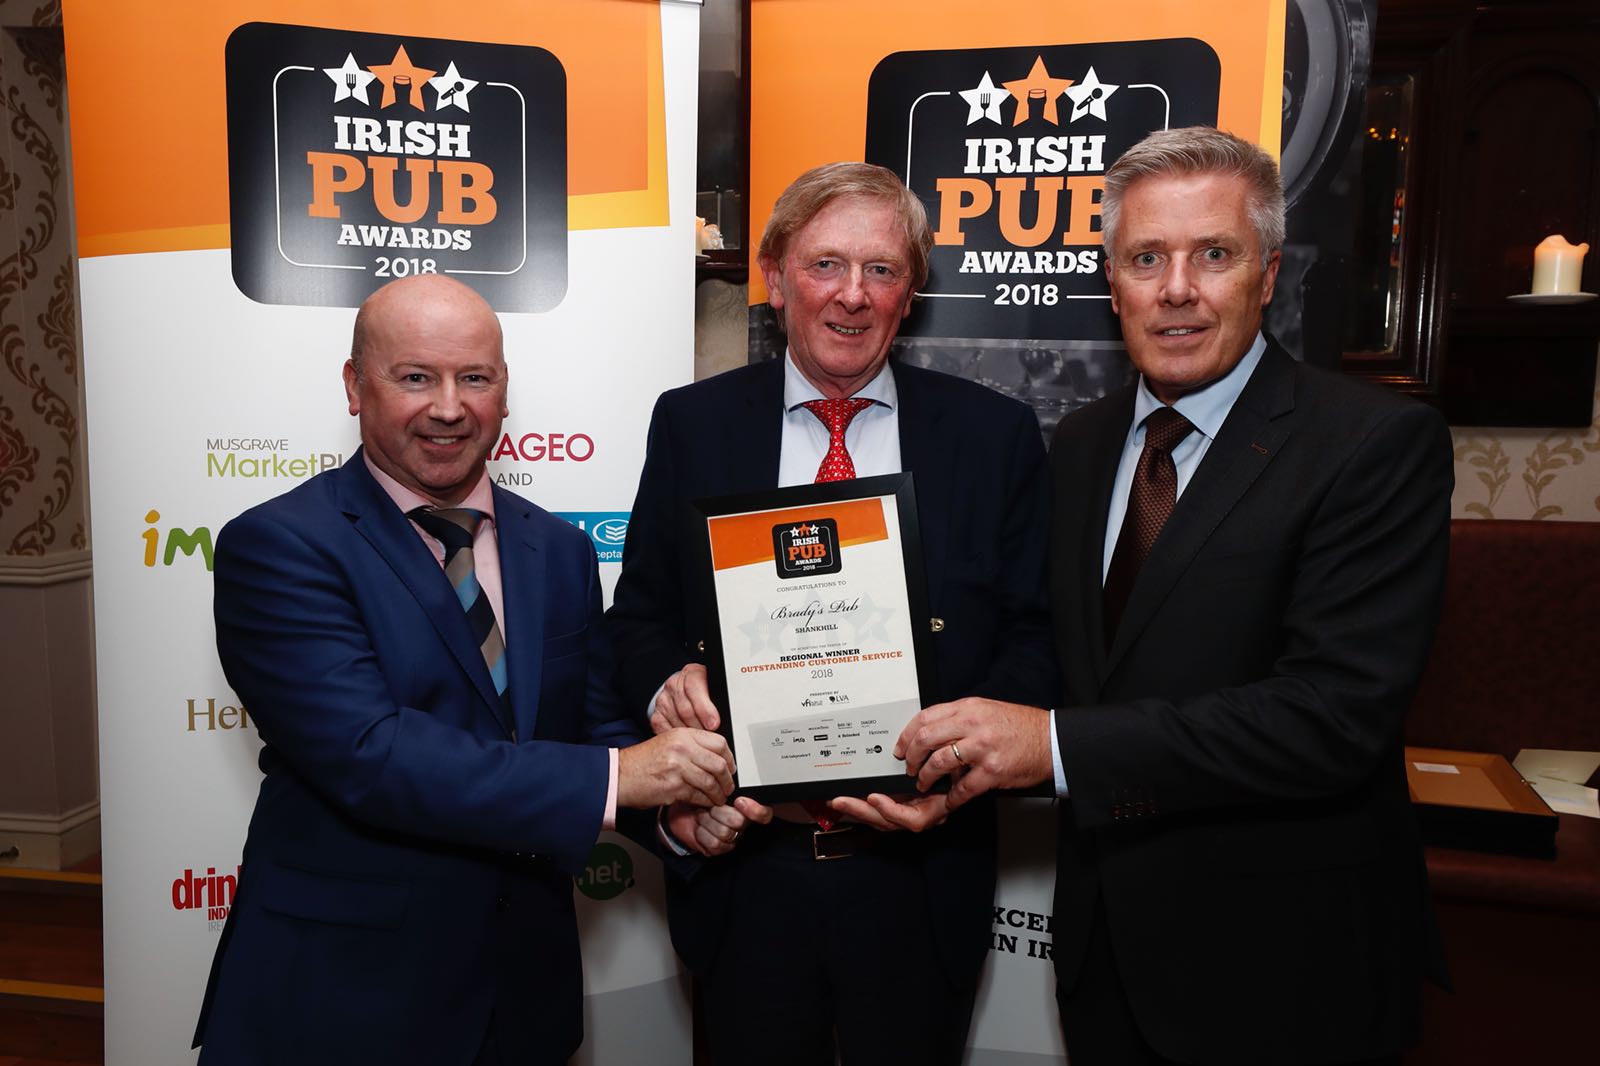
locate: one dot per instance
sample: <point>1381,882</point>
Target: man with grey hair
<point>874,956</point>
<point>1247,562</point>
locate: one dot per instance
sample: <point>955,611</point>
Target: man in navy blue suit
<point>876,954</point>
<point>423,654</point>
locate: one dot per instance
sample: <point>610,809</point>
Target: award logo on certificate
<point>821,622</point>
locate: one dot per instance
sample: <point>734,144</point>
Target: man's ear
<point>352,394</point>
<point>772,274</point>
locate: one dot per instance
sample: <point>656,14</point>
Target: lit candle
<point>1557,265</point>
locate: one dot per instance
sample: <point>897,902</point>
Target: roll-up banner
<point>1003,119</point>
<point>246,172</point>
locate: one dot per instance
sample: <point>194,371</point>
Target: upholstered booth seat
<point>1516,665</point>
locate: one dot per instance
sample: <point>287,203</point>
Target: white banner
<point>210,389</point>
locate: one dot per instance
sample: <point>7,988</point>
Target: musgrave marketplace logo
<point>356,158</point>
<point>1007,149</point>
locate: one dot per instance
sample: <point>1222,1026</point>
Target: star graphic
<point>401,75</point>
<point>758,631</point>
<point>350,80</point>
<point>870,622</point>
<point>452,88</point>
<point>1089,97</point>
<point>1038,87</point>
<point>983,101</point>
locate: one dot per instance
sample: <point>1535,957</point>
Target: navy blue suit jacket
<point>982,505</point>
<point>408,870</point>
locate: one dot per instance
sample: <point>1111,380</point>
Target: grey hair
<point>1193,150</point>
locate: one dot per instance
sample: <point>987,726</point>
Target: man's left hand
<point>983,744</point>
<point>714,831</point>
<point>915,813</point>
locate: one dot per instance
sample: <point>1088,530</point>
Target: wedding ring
<point>957,753</point>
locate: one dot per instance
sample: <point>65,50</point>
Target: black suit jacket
<point>982,504</point>
<point>1233,757</point>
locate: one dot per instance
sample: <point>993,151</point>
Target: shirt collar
<point>797,390</point>
<point>481,498</point>
<point>1206,408</point>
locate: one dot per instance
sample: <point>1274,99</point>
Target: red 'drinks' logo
<point>356,158</point>
<point>804,549</point>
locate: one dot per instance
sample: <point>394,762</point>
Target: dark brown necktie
<point>1150,500</point>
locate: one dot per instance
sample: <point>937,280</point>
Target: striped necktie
<point>454,527</point>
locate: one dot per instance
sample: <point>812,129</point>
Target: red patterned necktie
<point>1150,502</point>
<point>836,466</point>
<point>837,416</point>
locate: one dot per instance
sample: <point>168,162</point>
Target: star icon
<point>758,631</point>
<point>1037,88</point>
<point>983,101</point>
<point>349,80</point>
<point>400,75</point>
<point>1089,97</point>
<point>452,88</point>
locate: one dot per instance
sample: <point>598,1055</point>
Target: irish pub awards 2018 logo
<point>1007,149</point>
<point>356,158</point>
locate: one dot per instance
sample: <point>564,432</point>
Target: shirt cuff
<point>610,819</point>
<point>650,709</point>
<point>1055,760</point>
<point>667,838</point>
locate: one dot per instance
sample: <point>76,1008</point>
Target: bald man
<point>423,654</point>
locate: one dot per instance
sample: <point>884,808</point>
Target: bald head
<point>427,378</point>
<point>420,294</point>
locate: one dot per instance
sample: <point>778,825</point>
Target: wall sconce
<point>1557,270</point>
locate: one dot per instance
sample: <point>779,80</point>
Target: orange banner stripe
<point>149,104</point>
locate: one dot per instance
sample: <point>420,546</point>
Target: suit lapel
<point>753,431</point>
<point>1107,446</point>
<point>1250,437</point>
<point>522,585</point>
<point>381,524</point>
<point>930,454</point>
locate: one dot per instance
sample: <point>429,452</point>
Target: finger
<point>726,817</point>
<point>969,787</point>
<point>942,762</point>
<point>906,741</point>
<point>697,690</point>
<point>754,810</point>
<point>861,811</point>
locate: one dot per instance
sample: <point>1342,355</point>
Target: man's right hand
<point>679,765</point>
<point>685,700</point>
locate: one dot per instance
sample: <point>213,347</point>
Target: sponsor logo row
<point>164,544</point>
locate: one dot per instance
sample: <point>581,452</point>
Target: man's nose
<point>1177,282</point>
<point>852,294</point>
<point>446,405</point>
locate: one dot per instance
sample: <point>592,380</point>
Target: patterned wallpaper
<point>41,455</point>
<point>1529,473</point>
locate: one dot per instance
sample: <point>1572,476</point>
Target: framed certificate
<point>820,654</point>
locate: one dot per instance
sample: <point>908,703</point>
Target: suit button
<point>502,904</point>
<point>936,624</point>
<point>700,646</point>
